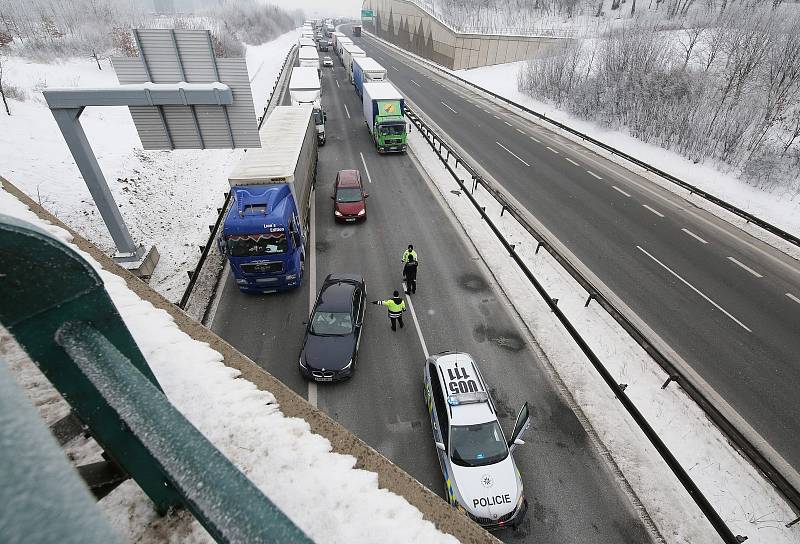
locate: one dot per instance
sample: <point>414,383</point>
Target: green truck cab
<point>383,113</point>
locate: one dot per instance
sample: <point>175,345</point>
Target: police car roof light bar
<point>468,398</point>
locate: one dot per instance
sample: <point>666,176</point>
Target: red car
<point>349,203</point>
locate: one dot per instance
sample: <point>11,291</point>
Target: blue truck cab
<point>266,225</point>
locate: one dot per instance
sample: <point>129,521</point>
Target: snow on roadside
<point>780,206</point>
<point>746,502</point>
<point>318,489</point>
<point>167,198</point>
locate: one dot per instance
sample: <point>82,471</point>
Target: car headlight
<point>362,212</point>
<point>302,363</point>
<point>348,365</point>
<point>337,213</point>
<point>241,281</point>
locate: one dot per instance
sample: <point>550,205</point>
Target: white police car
<point>479,471</point>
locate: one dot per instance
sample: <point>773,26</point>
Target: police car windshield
<point>331,324</point>
<point>477,445</point>
<point>251,245</point>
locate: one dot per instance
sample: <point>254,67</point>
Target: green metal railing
<point>56,307</point>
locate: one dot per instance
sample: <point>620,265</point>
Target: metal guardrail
<point>619,392</point>
<point>750,218</point>
<point>204,250</point>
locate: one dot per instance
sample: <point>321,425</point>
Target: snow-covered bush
<point>725,88</point>
<point>46,29</point>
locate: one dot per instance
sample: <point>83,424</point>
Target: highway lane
<point>574,495</point>
<point>725,302</point>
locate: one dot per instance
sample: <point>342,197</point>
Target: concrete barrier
<point>406,24</point>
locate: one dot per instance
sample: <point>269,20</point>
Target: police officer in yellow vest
<point>396,306</point>
<point>409,253</point>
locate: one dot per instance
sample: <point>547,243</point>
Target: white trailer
<point>309,57</point>
<point>306,42</point>
<point>288,154</point>
<point>349,52</point>
<point>340,43</point>
<point>305,89</point>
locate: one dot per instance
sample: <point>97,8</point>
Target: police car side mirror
<point>519,442</point>
<point>440,446</point>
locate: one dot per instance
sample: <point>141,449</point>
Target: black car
<point>333,331</point>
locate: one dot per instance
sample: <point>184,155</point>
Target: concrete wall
<point>407,25</point>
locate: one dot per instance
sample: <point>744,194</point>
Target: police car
<point>480,475</point>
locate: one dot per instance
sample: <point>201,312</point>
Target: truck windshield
<point>250,245</point>
<point>331,323</point>
<point>393,130</point>
<point>477,445</point>
<point>352,194</point>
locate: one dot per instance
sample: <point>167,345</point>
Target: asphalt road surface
<point>573,494</point>
<point>725,302</point>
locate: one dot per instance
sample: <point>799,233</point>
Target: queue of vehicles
<point>264,238</point>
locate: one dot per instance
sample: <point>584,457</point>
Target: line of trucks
<point>266,227</point>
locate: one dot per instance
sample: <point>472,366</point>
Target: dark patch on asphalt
<point>504,409</point>
<point>473,282</point>
<point>507,340</point>
<point>322,246</point>
<point>457,193</point>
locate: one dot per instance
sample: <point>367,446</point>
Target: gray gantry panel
<point>171,56</point>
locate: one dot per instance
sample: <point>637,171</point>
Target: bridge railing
<point>62,316</point>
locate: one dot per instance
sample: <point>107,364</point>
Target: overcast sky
<point>323,8</point>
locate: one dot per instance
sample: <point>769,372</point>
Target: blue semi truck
<point>266,226</point>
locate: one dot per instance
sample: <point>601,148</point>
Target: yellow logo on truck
<point>390,107</point>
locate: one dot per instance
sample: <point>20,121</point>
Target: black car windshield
<point>251,245</point>
<point>393,130</point>
<point>348,194</point>
<point>477,445</point>
<point>331,323</point>
<point>318,117</point>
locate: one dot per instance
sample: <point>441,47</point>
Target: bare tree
<point>2,89</point>
<point>689,37</point>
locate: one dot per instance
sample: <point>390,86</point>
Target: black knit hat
<point>396,294</point>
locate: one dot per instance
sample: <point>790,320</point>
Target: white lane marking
<point>495,116</point>
<point>535,140</point>
<point>312,285</point>
<point>515,155</point>
<point>506,122</point>
<point>416,325</point>
<point>593,174</point>
<point>346,111</point>
<point>449,108</point>
<point>571,161</point>
<point>794,298</point>
<point>693,235</point>
<point>415,83</point>
<point>551,149</point>
<point>369,178</point>
<point>693,288</point>
<point>394,67</point>
<point>658,213</point>
<point>620,190</point>
<point>337,83</point>
<point>520,131</point>
<point>744,266</point>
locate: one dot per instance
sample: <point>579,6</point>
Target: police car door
<point>520,426</point>
<point>438,413</point>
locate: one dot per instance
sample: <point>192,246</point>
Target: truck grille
<point>273,267</point>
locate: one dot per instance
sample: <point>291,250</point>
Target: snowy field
<point>319,490</point>
<point>777,207</point>
<point>746,502</point>
<point>167,198</point>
